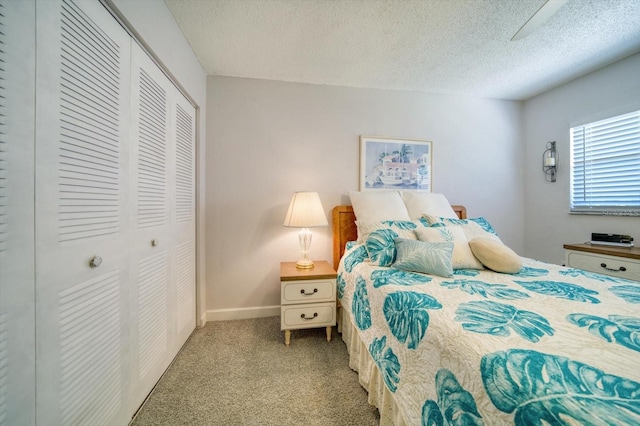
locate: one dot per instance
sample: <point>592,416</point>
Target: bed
<point>546,345</point>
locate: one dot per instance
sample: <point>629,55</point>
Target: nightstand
<point>619,262</point>
<point>307,297</point>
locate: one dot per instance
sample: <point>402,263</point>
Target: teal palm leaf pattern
<point>386,361</point>
<point>355,257</point>
<point>484,224</point>
<point>360,305</point>
<point>498,319</point>
<point>450,221</point>
<point>434,258</point>
<point>455,405</point>
<point>481,221</point>
<point>350,245</point>
<point>630,293</point>
<point>542,389</point>
<point>529,272</point>
<point>340,284</point>
<point>561,290</point>
<point>446,234</point>
<point>466,272</point>
<point>381,247</point>
<point>587,274</point>
<point>382,277</point>
<point>400,224</point>
<point>620,329</point>
<point>499,291</point>
<point>407,316</point>
<point>431,415</point>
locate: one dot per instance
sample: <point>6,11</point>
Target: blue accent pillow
<point>381,247</point>
<point>420,256</point>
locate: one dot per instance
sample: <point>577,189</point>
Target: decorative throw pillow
<point>473,228</point>
<point>495,255</point>
<point>428,258</point>
<point>462,257</point>
<point>404,228</point>
<point>381,247</point>
<point>376,206</point>
<point>419,203</point>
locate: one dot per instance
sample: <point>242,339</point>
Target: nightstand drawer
<point>615,266</point>
<point>307,291</point>
<point>307,316</point>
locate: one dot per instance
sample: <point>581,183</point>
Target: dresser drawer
<point>614,266</point>
<point>307,316</point>
<point>308,291</point>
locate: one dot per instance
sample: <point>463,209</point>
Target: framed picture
<point>395,164</point>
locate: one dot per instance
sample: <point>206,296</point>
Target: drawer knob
<point>315,314</point>
<point>95,261</point>
<point>304,293</point>
<point>620,269</point>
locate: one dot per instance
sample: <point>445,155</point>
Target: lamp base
<point>304,264</point>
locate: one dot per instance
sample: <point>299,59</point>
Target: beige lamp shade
<point>305,211</point>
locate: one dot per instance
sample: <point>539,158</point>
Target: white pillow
<point>495,255</point>
<point>419,203</point>
<point>462,257</point>
<point>473,228</point>
<point>376,206</point>
<point>404,228</point>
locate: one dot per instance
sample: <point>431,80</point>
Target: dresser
<point>620,262</point>
<point>307,298</point>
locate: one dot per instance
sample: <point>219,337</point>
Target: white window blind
<point>605,166</point>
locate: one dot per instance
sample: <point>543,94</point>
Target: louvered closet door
<point>17,343</point>
<point>152,173</point>
<point>82,309</point>
<point>184,227</point>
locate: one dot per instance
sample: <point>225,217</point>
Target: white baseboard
<point>243,313</point>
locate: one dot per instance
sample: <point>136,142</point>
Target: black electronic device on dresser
<point>617,240</point>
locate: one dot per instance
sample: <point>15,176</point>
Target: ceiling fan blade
<point>538,18</point>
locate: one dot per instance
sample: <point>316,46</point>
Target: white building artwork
<point>396,165</point>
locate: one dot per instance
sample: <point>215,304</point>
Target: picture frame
<point>402,164</point>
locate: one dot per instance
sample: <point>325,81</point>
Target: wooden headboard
<point>344,228</point>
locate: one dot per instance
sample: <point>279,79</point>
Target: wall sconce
<point>305,211</point>
<point>550,162</point>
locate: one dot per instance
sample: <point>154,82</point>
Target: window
<point>605,166</point>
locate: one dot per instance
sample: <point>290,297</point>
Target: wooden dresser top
<point>320,270</point>
<point>628,252</point>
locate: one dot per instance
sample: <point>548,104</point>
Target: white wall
<point>548,117</point>
<point>153,24</point>
<point>267,139</point>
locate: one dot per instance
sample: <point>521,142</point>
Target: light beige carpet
<point>241,373</point>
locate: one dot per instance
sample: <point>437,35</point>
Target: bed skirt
<point>368,373</point>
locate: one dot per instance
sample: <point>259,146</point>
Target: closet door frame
<point>17,229</point>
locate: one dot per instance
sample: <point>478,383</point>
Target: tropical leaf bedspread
<point>547,346</point>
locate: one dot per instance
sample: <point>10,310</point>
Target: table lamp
<point>305,211</point>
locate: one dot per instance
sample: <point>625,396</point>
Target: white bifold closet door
<point>17,280</point>
<point>184,229</point>
<point>82,216</point>
<point>115,218</point>
<point>163,227</point>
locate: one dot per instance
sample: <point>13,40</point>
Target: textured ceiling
<point>441,46</point>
